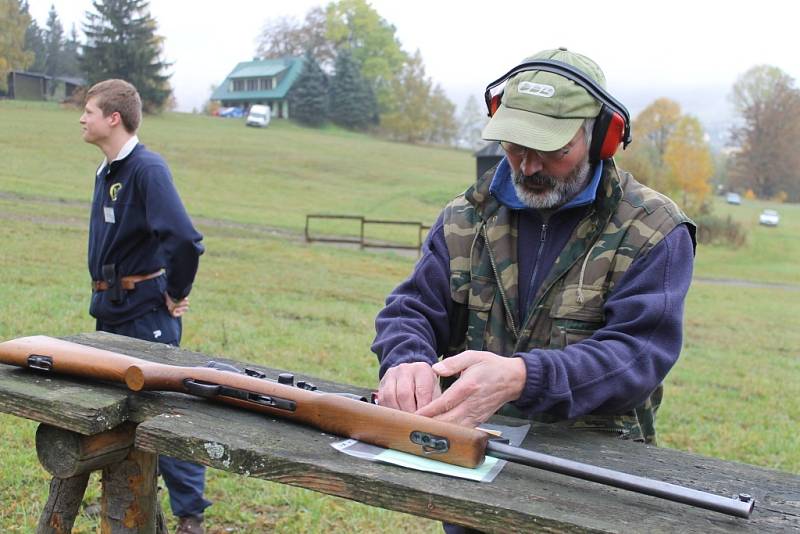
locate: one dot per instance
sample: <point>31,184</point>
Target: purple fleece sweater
<point>611,372</point>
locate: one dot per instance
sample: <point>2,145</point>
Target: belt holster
<point>115,291</point>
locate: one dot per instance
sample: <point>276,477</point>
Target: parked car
<point>231,112</point>
<point>733,198</point>
<point>769,218</point>
<point>258,116</point>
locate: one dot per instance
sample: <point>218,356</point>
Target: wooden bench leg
<point>129,503</point>
<point>62,505</point>
<point>129,500</point>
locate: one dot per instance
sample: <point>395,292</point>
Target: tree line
<point>120,42</point>
<point>358,76</point>
<point>53,52</point>
<point>670,152</point>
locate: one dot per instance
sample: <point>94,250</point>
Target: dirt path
<point>287,234</point>
<point>744,283</point>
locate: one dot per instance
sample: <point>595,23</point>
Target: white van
<point>258,116</point>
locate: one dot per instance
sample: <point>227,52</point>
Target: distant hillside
<point>272,176</point>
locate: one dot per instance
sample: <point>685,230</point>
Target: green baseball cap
<point>543,110</point>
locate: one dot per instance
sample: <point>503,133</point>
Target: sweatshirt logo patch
<point>113,191</point>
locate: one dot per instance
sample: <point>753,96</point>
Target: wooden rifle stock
<point>392,429</point>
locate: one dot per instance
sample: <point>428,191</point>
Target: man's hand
<point>408,386</point>
<point>176,308</point>
<point>487,382</point>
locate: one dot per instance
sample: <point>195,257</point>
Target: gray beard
<point>559,190</point>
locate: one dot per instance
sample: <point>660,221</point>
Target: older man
<point>553,288</point>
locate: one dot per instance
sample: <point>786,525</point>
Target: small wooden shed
<point>37,86</point>
<point>488,156</point>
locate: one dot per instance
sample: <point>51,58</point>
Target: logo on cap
<point>536,89</point>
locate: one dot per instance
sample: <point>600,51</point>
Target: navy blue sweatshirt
<point>138,223</point>
<point>611,372</point>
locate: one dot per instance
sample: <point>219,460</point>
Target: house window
<point>252,85</point>
<point>265,84</point>
<point>238,85</point>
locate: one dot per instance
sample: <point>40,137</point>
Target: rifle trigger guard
<point>430,444</point>
<point>201,390</point>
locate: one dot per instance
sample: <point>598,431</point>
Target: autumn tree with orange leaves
<point>670,154</point>
<point>656,124</point>
<point>688,164</point>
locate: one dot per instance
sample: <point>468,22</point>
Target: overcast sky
<point>690,50</point>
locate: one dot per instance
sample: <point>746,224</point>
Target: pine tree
<point>71,56</point>
<point>122,43</point>
<point>309,96</point>
<point>34,42</point>
<point>352,105</point>
<point>53,44</point>
<point>444,127</point>
<point>471,122</point>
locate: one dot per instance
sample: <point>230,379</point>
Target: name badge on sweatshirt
<point>108,211</point>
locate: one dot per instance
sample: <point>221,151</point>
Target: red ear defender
<point>613,137</point>
<point>495,103</point>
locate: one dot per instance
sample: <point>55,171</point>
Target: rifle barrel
<point>736,507</point>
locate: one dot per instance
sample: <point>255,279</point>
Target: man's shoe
<point>190,525</point>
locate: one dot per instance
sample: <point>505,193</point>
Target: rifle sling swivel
<point>430,443</point>
<point>40,363</point>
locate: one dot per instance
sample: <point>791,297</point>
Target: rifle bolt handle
<point>286,378</point>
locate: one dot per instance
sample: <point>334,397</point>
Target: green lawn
<point>264,296</point>
<point>770,254</point>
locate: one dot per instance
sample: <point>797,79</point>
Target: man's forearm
<point>414,324</point>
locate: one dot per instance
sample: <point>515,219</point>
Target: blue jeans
<point>185,481</point>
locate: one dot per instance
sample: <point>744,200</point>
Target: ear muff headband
<point>578,76</point>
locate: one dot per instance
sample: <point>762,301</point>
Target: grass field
<point>263,295</point>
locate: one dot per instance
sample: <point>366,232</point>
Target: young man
<point>554,287</point>
<point>143,254</point>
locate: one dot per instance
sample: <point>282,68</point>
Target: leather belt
<point>127,282</point>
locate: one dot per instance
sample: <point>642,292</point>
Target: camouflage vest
<point>626,220</point>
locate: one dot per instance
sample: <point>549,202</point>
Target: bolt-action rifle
<point>341,414</point>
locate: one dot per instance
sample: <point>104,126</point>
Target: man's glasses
<point>550,156</point>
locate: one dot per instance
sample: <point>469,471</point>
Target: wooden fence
<point>362,240</point>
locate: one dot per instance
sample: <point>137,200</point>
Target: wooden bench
<point>89,425</point>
